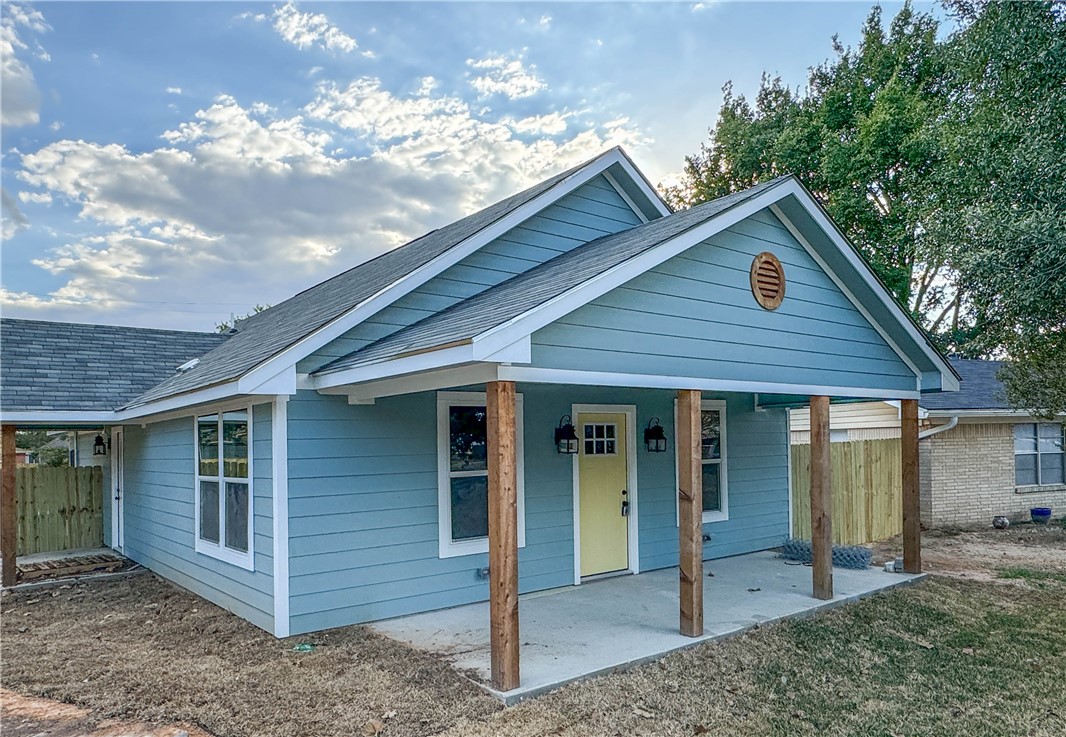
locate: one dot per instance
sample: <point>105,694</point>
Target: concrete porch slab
<point>580,631</point>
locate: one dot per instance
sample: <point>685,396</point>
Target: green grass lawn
<point>943,658</point>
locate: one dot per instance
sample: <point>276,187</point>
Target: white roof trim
<point>409,282</point>
<point>56,417</point>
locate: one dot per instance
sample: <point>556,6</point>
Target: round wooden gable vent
<point>768,280</point>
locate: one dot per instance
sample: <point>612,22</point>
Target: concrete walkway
<point>579,631</point>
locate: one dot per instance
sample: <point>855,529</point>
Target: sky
<point>170,164</point>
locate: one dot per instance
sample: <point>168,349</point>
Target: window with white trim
<point>712,459</point>
<point>463,473</point>
<point>1039,459</point>
<point>224,486</point>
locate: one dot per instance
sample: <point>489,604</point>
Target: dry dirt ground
<point>979,650</point>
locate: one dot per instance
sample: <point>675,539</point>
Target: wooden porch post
<point>7,507</point>
<point>821,500</point>
<point>912,522</point>
<point>690,504</point>
<point>503,534</point>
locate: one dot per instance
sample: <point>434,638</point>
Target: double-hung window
<point>1038,454</point>
<point>712,459</point>
<point>463,473</point>
<point>224,487</point>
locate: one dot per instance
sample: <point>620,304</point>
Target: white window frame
<point>219,550</point>
<point>721,515</point>
<point>1037,453</point>
<point>449,548</point>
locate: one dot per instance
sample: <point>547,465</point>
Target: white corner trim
<point>633,521</point>
<point>788,460</point>
<point>948,380</point>
<point>448,548</point>
<point>411,281</point>
<point>279,436</point>
<point>625,197</point>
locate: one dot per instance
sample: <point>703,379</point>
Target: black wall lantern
<point>565,437</point>
<point>99,446</point>
<point>655,437</point>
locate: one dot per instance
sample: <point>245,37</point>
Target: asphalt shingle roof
<point>978,387</point>
<point>529,289</point>
<point>75,367</point>
<point>263,335</point>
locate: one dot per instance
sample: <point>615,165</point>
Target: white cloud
<point>56,125</point>
<point>504,75</point>
<point>21,97</point>
<point>304,30</point>
<point>240,204</point>
<point>174,90</point>
<point>700,7</point>
<point>12,220</point>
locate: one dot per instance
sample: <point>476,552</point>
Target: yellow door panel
<point>602,479</point>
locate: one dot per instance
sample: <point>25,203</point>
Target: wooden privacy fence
<point>59,508</point>
<point>867,491</point>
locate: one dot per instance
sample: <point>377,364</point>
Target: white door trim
<point>630,411</point>
<point>118,490</point>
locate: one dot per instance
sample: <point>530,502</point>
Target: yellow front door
<point>602,478</point>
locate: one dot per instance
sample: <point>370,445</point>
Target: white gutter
<point>951,423</point>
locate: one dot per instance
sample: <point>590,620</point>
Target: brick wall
<point>967,477</point>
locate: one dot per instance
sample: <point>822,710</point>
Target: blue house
<point>573,382</point>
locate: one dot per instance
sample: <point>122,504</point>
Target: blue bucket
<point>1040,515</point>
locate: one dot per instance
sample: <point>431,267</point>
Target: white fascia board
<point>179,402</point>
<point>643,184</point>
<point>411,281</point>
<point>532,320</point>
<point>948,380</point>
<point>56,417</point>
<point>622,193</point>
<point>650,381</point>
<point>386,369</point>
<point>521,351</point>
<point>445,378</point>
<point>282,383</point>
<point>989,413</point>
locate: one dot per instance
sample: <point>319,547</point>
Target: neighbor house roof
<point>521,293</point>
<point>77,367</point>
<point>978,388</point>
<point>267,333</point>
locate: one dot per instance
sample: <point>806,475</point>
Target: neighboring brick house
<point>980,458</point>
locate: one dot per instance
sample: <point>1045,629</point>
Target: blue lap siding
<point>592,210</point>
<point>363,501</point>
<point>159,517</point>
<point>694,316</point>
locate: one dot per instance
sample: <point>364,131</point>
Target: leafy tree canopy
<point>943,159</point>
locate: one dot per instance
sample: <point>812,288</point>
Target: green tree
<point>36,441</point>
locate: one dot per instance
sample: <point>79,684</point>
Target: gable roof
<point>978,388</point>
<point>528,290</point>
<point>79,367</point>
<point>264,335</point>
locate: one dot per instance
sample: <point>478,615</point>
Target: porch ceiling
<point>576,632</point>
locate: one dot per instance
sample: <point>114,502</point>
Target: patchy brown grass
<point>139,648</point>
<point>956,655</point>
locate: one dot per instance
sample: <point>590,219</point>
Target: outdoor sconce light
<point>654,436</point>
<point>99,446</point>
<point>565,437</point>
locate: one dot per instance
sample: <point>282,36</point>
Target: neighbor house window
<point>224,487</point>
<point>463,471</point>
<point>1038,454</point>
<point>712,459</point>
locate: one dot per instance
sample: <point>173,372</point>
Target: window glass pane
<point>1051,468</point>
<point>588,431</point>
<point>610,447</point>
<point>712,434</point>
<point>209,511</point>
<point>1025,469</point>
<point>590,448</point>
<point>470,507</point>
<point>237,516</point>
<point>468,439</point>
<point>610,431</point>
<point>1050,438</point>
<point>207,431</point>
<point>1024,438</point>
<point>235,444</point>
<point>712,487</point>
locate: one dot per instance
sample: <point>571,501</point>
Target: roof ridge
<point>110,325</point>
